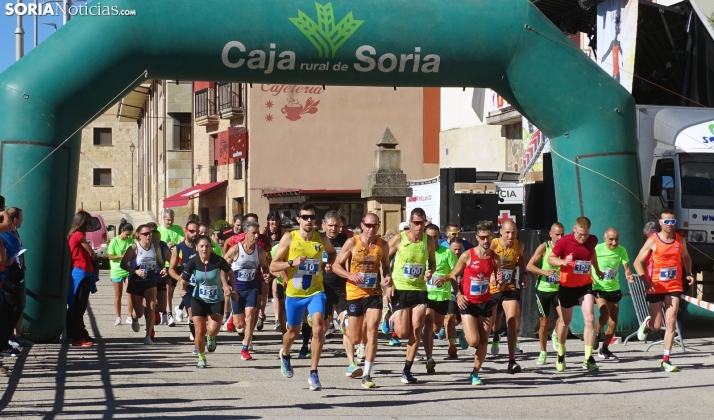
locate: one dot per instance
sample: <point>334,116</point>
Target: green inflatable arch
<point>506,45</point>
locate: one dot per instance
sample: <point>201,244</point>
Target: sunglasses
<point>669,222</point>
<point>371,225</point>
<point>417,222</point>
<point>483,238</point>
<point>454,232</point>
<point>308,217</point>
<point>144,233</point>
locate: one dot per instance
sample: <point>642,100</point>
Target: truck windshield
<point>697,181</point>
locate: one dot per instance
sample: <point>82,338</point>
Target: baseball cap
<point>404,226</point>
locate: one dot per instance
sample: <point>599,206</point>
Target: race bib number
<point>667,273</point>
<point>507,276</point>
<point>431,284</point>
<point>208,291</point>
<point>311,267</point>
<point>553,279</point>
<point>413,271</point>
<point>324,253</point>
<point>581,267</point>
<point>370,281</point>
<point>245,275</point>
<point>479,286</point>
<point>609,274</point>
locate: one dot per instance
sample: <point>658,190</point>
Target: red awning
<point>182,198</point>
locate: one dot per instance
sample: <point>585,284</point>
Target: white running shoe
<point>360,352</point>
<point>179,314</point>
<point>117,321</point>
<point>171,322</point>
<point>147,341</point>
<point>276,327</point>
<point>128,320</point>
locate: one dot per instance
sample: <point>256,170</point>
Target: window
<point>213,171</point>
<point>238,170</point>
<point>102,136</point>
<point>96,225</point>
<point>102,177</point>
<point>182,131</point>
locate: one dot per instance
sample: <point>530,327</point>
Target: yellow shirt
<point>305,280</point>
<point>509,261</point>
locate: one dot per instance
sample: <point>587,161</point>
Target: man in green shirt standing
<point>171,234</point>
<point>439,294</point>
<point>115,252</point>
<point>547,287</point>
<point>610,255</point>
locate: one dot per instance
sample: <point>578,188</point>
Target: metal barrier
<point>642,309</point>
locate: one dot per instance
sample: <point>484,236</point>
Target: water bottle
<point>143,268</point>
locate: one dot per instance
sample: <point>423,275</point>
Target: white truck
<point>680,177</point>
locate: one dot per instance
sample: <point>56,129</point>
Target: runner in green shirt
<point>547,287</point>
<point>439,294</point>
<point>203,230</point>
<point>115,252</point>
<point>610,255</point>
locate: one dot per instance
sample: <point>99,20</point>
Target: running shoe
<point>314,382</point>
<point>453,352</point>
<point>229,325</point>
<point>240,331</point>
<point>407,377</point>
<point>147,341</point>
<point>462,341</point>
<point>555,341</point>
<point>598,339</point>
<point>201,363</point>
<point>285,367</point>
<point>259,324</point>
<point>367,382</point>
<point>195,351</point>
<point>191,336</point>
<point>128,320</point>
<point>210,343</point>
<point>276,327</point>
<point>161,319</point>
<point>171,322</point>
<point>250,345</point>
<point>353,371</point>
<point>117,321</point>
<point>360,352</point>
<point>590,364</point>
<point>385,322</point>
<point>343,325</point>
<point>542,358</point>
<point>245,355</point>
<point>22,341</point>
<point>441,334</point>
<point>560,363</point>
<point>475,380</point>
<point>329,335</point>
<point>394,342</point>
<point>668,367</point>
<point>135,324</point>
<point>605,353</point>
<point>15,352</point>
<point>430,365</point>
<point>179,314</point>
<point>643,330</point>
<point>152,334</point>
<point>518,347</point>
<point>418,357</point>
<point>513,368</point>
<point>13,344</point>
<point>304,353</point>
<point>494,348</point>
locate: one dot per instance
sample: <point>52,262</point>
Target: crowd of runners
<point>416,285</point>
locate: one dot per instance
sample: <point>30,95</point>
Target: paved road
<point>122,378</point>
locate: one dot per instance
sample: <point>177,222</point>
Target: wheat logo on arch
<point>325,35</point>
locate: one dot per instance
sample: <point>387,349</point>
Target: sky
<point>7,33</point>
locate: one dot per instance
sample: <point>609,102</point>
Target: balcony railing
<point>231,100</point>
<point>205,107</point>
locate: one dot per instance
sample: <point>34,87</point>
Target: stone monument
<point>387,189</point>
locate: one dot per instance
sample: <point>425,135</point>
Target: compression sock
<point>306,334</point>
<point>202,356</point>
<point>588,352</point>
<point>452,341</point>
<point>245,347</point>
<point>561,349</point>
<point>192,328</point>
<point>367,368</point>
<point>665,357</point>
<point>408,366</point>
<point>181,306</point>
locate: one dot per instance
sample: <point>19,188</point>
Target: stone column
<point>387,189</point>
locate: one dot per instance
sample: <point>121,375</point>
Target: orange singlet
<point>365,261</point>
<point>667,271</point>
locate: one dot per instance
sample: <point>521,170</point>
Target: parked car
<point>97,237</point>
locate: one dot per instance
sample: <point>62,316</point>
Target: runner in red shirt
<point>575,254</point>
<point>480,266</point>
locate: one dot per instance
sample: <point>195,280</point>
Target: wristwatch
<point>290,263</point>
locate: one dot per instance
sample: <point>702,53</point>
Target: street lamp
<point>131,149</point>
